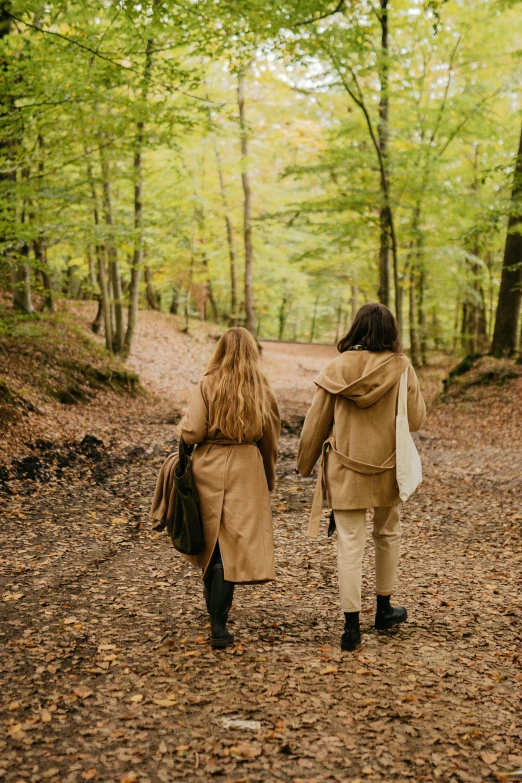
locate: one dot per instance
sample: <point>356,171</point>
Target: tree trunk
<point>8,143</point>
<point>21,279</point>
<point>114,266</point>
<point>282,317</point>
<point>209,290</point>
<point>508,308</point>
<point>190,281</point>
<point>174,305</point>
<point>383,130</point>
<point>314,319</point>
<point>92,268</point>
<point>230,239</point>
<point>466,339</point>
<point>414,334</point>
<point>435,330</point>
<point>355,301</point>
<point>388,241</point>
<point>476,325</point>
<point>423,337</point>
<point>247,210</point>
<point>98,319</point>
<point>22,298</point>
<point>100,256</point>
<point>338,324</point>
<point>40,254</point>
<point>137,259</point>
<point>296,322</point>
<point>39,243</point>
<point>152,299</point>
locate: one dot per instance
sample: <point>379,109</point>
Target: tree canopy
<point>336,152</point>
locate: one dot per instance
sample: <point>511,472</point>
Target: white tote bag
<point>408,463</point>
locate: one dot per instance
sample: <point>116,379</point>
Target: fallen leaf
<point>82,692</point>
<point>164,702</point>
<point>245,751</point>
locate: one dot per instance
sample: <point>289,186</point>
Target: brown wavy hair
<point>241,402</point>
<point>374,328</point>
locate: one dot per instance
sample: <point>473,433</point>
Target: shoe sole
<point>350,647</point>
<point>390,624</point>
<point>220,644</point>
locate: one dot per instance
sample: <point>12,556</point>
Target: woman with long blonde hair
<point>233,420</point>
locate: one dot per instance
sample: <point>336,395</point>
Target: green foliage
<point>75,88</point>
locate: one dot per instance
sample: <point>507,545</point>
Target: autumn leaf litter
<point>107,674</point>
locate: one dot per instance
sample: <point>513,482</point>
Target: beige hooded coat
<point>234,482</point>
<point>351,423</point>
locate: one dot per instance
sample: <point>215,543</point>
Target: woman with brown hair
<point>234,421</point>
<point>351,423</point>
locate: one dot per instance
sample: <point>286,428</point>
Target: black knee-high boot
<point>221,596</point>
<point>207,585</point>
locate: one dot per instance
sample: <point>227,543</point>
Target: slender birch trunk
<point>114,266</point>
<point>100,257</point>
<point>414,333</point>
<point>137,259</point>
<point>152,299</point>
<point>314,319</point>
<point>355,301</point>
<point>230,239</point>
<point>247,210</point>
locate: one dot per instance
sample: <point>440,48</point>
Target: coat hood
<point>362,376</point>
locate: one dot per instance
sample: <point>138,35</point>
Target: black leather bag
<point>186,526</point>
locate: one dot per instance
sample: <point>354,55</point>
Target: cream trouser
<point>351,535</point>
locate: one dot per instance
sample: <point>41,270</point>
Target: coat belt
<point>224,442</point>
<point>321,492</point>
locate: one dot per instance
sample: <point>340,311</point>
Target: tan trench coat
<point>351,423</point>
<point>234,482</point>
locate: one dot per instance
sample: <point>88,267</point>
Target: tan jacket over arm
<point>194,425</point>
<point>268,443</point>
<point>416,405</point>
<point>316,429</point>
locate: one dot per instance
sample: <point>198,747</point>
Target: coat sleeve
<point>316,429</point>
<point>269,440</point>
<point>194,425</point>
<point>416,404</point>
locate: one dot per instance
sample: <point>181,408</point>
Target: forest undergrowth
<point>107,673</point>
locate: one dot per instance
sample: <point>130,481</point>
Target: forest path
<point>107,674</point>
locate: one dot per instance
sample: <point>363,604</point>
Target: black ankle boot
<point>207,585</point>
<point>351,637</point>
<point>221,596</point>
<point>387,615</point>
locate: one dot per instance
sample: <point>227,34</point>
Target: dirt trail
<point>107,674</point>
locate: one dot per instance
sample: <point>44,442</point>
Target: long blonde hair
<point>241,400</point>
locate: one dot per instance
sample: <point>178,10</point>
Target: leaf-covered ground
<point>106,670</point>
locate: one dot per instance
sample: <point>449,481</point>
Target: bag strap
<point>402,402</point>
<point>183,456</point>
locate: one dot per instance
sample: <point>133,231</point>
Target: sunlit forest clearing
<point>167,170</point>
